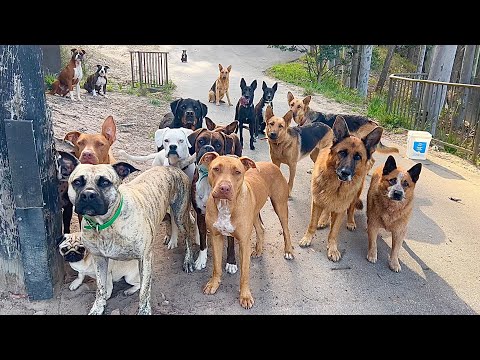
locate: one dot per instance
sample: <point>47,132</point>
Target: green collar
<point>202,172</point>
<point>93,225</point>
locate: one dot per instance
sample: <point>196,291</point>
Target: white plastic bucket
<point>417,144</point>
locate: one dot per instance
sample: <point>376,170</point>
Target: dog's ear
<point>414,172</point>
<point>340,130</point>
<point>73,50</point>
<point>268,112</point>
<point>389,166</point>
<point>208,157</point>
<point>220,67</point>
<point>109,129</point>
<point>264,85</point>
<point>228,143</point>
<point>210,124</point>
<point>253,85</point>
<point>99,67</point>
<point>106,67</point>
<point>288,117</point>
<point>290,97</point>
<point>242,83</point>
<point>372,139</point>
<point>307,99</point>
<point>72,136</point>
<point>67,163</point>
<point>192,138</point>
<point>187,132</point>
<point>174,105</point>
<point>229,68</point>
<point>124,169</point>
<point>230,128</point>
<point>274,87</point>
<point>204,109</point>
<point>83,52</point>
<point>159,134</point>
<point>248,163</point>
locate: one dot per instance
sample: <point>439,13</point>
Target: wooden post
<point>30,214</point>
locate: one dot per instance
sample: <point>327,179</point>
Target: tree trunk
<point>428,59</point>
<point>441,70</point>
<point>474,98</point>
<point>354,72</point>
<point>457,64</point>
<point>386,67</point>
<point>421,58</point>
<point>465,78</point>
<point>411,53</point>
<point>364,71</point>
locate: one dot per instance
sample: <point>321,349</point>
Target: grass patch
<point>49,79</point>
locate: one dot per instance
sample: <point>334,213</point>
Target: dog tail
<point>359,204</point>
<point>137,158</point>
<point>381,148</point>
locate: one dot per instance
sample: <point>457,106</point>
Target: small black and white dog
<point>244,111</point>
<point>267,99</point>
<point>184,55</point>
<point>97,82</point>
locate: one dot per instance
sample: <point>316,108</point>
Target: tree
<point>364,70</point>
<point>355,61</point>
<point>421,58</point>
<point>457,64</point>
<point>386,67</point>
<point>465,78</point>
<point>440,70</point>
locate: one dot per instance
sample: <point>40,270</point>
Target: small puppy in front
<point>80,260</point>
<point>97,82</point>
<point>240,188</point>
<point>261,107</point>
<point>337,179</point>
<point>220,87</point>
<point>244,111</point>
<point>288,145</point>
<point>389,206</point>
<point>71,75</point>
<point>120,221</point>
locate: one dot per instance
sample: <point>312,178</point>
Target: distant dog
<point>337,180</point>
<point>220,87</point>
<point>80,260</point>
<point>97,82</point>
<point>222,140</point>
<point>71,75</point>
<point>184,56</point>
<point>261,107</point>
<point>389,206</point>
<point>244,111</point>
<point>288,145</point>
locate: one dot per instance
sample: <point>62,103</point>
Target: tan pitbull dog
<point>120,221</point>
<point>240,188</point>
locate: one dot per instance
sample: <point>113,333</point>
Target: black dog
<point>267,99</point>
<point>97,82</point>
<point>184,56</point>
<point>244,111</point>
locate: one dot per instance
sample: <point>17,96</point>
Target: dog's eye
<point>342,153</point>
<point>104,182</point>
<point>298,106</point>
<point>195,108</point>
<point>100,144</point>
<point>216,169</point>
<point>405,184</point>
<point>237,172</point>
<point>81,143</point>
<point>180,141</point>
<point>392,181</point>
<point>271,124</point>
<point>166,141</point>
<point>280,126</point>
<point>78,182</point>
<point>218,146</point>
<point>183,107</point>
<point>357,157</point>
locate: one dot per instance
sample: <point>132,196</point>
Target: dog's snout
<point>397,195</point>
<point>273,136</point>
<point>173,147</point>
<point>225,188</point>
<point>345,174</point>
<point>88,195</point>
<point>189,113</point>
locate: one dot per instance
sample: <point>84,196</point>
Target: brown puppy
<point>71,75</point>
<point>220,86</point>
<point>89,149</point>
<point>240,188</point>
<point>389,206</point>
<point>337,178</point>
<point>288,145</point>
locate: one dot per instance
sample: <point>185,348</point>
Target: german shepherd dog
<point>288,145</point>
<point>389,206</point>
<point>221,86</point>
<point>337,180</point>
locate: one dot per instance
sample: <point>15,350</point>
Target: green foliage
<point>155,102</point>
<point>377,60</point>
<point>49,79</point>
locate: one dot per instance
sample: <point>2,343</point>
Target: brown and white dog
<point>240,188</point>
<point>220,87</point>
<point>389,206</point>
<point>71,75</point>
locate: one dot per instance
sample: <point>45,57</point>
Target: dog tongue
<point>243,101</point>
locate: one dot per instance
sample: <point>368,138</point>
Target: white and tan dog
<point>80,260</point>
<point>120,221</point>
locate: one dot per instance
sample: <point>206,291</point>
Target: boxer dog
<point>71,75</point>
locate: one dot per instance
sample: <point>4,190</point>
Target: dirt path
<point>439,258</point>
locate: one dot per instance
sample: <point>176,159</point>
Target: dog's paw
<point>394,265</point>
<point>246,299</point>
<point>211,287</point>
<point>131,290</point>
<point>145,309</point>
<point>321,225</point>
<point>105,96</point>
<point>201,261</point>
<point>218,104</point>
<point>333,254</point>
<point>75,284</point>
<point>94,93</point>
<point>252,147</point>
<point>306,241</point>
<point>80,99</point>
<point>171,242</point>
<point>288,256</point>
<point>351,226</point>
<point>98,307</point>
<point>309,171</point>
<point>231,268</point>
<point>372,256</point>
<point>257,253</point>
